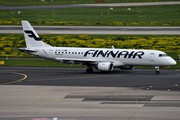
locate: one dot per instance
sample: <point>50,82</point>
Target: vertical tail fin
<point>31,37</point>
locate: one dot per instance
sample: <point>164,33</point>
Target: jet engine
<point>127,67</point>
<point>105,66</point>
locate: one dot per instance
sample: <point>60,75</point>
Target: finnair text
<point>114,54</point>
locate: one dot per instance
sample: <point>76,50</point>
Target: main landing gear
<point>157,69</point>
<point>89,70</point>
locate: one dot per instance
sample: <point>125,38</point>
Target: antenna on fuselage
<point>113,47</point>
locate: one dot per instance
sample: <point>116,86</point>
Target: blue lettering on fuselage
<point>114,54</point>
<point>101,53</point>
<point>123,53</point>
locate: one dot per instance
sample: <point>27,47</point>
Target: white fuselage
<point>118,57</point>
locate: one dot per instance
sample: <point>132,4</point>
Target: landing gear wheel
<point>89,70</point>
<point>157,72</point>
<point>157,69</point>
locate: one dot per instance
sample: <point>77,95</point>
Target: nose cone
<point>172,62</point>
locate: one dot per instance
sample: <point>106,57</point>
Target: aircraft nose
<point>172,61</point>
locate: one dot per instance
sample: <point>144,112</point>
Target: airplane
<point>99,58</point>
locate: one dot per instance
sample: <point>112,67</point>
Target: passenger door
<point>151,57</point>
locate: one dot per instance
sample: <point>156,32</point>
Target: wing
<point>87,61</point>
<point>76,61</point>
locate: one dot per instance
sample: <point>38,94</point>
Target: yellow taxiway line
<point>25,76</point>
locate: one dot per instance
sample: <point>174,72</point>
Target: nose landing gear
<point>157,69</point>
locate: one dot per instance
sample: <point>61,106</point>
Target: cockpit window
<point>163,55</point>
<point>160,55</point>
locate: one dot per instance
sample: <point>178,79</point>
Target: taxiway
<point>95,30</point>
<point>45,93</point>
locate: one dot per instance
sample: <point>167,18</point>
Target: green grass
<point>60,2</point>
<point>49,63</point>
<point>177,66</point>
<point>35,63</point>
<point>119,16</point>
<point>17,41</point>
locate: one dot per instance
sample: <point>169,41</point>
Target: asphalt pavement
<point>52,93</point>
<point>55,76</point>
<point>95,30</point>
<point>87,5</point>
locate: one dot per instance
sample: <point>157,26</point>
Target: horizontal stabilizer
<point>24,49</point>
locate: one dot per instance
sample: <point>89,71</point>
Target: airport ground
<point>70,93</point>
<point>95,30</point>
<point>87,5</point>
<point>47,93</point>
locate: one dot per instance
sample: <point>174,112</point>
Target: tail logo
<point>31,34</point>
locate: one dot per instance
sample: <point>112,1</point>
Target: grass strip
<point>167,43</point>
<point>62,2</point>
<point>167,15</point>
<point>35,63</point>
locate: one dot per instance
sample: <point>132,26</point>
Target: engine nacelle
<point>105,66</point>
<point>127,67</point>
